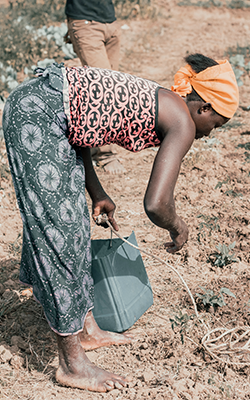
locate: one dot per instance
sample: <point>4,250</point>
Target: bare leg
<point>93,337</point>
<point>75,369</point>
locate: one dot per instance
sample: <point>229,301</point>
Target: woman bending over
<point>50,124</point>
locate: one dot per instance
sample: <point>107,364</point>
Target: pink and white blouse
<point>105,107</point>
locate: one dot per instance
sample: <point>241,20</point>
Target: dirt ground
<point>212,196</point>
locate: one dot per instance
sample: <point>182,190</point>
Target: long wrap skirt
<point>49,180</point>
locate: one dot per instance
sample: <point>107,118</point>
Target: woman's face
<point>206,119</point>
<point>205,127</point>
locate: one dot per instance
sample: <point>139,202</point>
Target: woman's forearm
<point>92,182</point>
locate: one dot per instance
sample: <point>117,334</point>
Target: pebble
<point>17,361</point>
<point>19,342</point>
<point>180,386</point>
<point>115,393</point>
<point>9,282</point>
<point>149,238</point>
<point>7,294</point>
<point>5,354</point>
<point>148,376</point>
<point>14,349</point>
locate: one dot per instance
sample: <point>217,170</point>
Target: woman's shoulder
<point>171,99</point>
<point>173,113</point>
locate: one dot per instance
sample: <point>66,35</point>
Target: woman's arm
<point>178,131</point>
<point>101,201</point>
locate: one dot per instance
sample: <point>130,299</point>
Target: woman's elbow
<point>161,213</point>
<point>153,208</point>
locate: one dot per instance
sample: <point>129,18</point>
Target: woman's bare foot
<point>106,158</point>
<point>92,337</point>
<point>113,166</point>
<point>75,369</point>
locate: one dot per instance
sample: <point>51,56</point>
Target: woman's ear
<point>204,108</point>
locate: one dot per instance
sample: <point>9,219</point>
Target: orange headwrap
<point>216,85</point>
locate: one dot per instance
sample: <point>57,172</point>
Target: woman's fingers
<point>169,244</point>
<point>113,222</point>
<point>101,219</point>
<point>172,247</point>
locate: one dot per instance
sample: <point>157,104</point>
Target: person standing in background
<point>95,35</point>
<point>94,32</point>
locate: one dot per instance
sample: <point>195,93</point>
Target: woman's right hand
<point>105,206</point>
<point>179,238</point>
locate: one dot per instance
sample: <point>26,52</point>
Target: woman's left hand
<point>105,206</point>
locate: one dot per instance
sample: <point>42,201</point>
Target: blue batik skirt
<point>49,179</point>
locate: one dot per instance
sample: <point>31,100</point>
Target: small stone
<point>148,376</point>
<point>14,349</point>
<point>9,282</point>
<point>5,354</point>
<point>7,294</point>
<point>19,342</point>
<point>17,362</point>
<point>149,238</point>
<point>180,386</point>
<point>115,393</point>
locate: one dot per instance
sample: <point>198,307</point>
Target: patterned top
<point>107,106</point>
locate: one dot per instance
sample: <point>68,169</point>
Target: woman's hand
<point>179,238</point>
<point>101,202</point>
<point>105,206</point>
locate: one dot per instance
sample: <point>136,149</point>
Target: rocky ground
<point>212,196</point>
